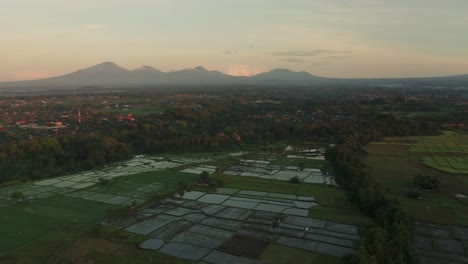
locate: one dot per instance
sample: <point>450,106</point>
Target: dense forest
<point>212,124</point>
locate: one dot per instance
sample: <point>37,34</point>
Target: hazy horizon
<point>329,38</point>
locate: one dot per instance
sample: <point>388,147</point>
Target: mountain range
<point>111,74</point>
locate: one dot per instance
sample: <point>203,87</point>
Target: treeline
<point>390,239</point>
<point>213,125</point>
<point>181,129</point>
<point>23,160</point>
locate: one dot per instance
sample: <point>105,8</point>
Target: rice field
<point>235,226</point>
<point>447,153</point>
<point>52,207</point>
<point>396,161</point>
<point>455,165</point>
<point>332,201</point>
<point>52,204</point>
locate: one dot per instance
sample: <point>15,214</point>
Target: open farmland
<point>441,243</point>
<point>311,214</point>
<point>332,203</point>
<point>442,216</point>
<point>396,161</point>
<point>307,165</point>
<point>82,199</point>
<point>448,153</point>
<point>235,226</point>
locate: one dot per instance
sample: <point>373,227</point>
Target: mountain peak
<point>108,63</point>
<point>147,69</point>
<point>109,73</point>
<point>106,66</point>
<point>281,70</point>
<point>282,74</point>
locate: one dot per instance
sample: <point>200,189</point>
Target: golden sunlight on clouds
<point>243,70</point>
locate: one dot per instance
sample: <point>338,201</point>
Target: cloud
<point>227,52</point>
<point>309,53</point>
<point>322,63</point>
<point>294,60</point>
<point>93,26</point>
<point>339,57</point>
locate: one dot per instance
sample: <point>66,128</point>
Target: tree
<point>426,183</point>
<point>204,177</point>
<point>301,166</point>
<point>295,179</point>
<point>18,196</point>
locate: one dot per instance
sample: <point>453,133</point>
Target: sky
<point>330,38</point>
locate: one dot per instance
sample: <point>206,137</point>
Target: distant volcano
<point>111,74</point>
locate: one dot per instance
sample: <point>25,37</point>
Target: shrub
<point>213,185</point>
<point>301,166</point>
<point>122,212</point>
<point>204,177</point>
<point>220,183</point>
<point>415,194</point>
<point>105,182</point>
<point>96,230</point>
<point>182,188</point>
<point>426,182</point>
<point>275,223</point>
<point>18,196</point>
<point>295,180</point>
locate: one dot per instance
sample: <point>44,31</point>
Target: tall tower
<point>79,116</point>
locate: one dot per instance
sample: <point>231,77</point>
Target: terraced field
<point>447,153</point>
<point>57,217</point>
<point>450,164</point>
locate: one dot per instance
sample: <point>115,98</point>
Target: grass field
<point>333,202</point>
<point>23,223</point>
<point>455,165</point>
<point>279,254</point>
<point>308,163</point>
<point>168,177</point>
<point>448,153</point>
<point>396,161</point>
<point>79,244</point>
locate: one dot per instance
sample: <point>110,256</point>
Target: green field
<point>447,153</point>
<point>396,161</point>
<point>23,223</point>
<point>168,177</point>
<point>308,163</point>
<point>82,244</point>
<point>280,254</point>
<point>455,165</point>
<point>29,221</point>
